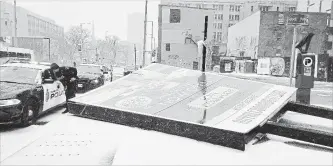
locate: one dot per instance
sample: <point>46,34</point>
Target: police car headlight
<point>95,81</point>
<point>9,102</point>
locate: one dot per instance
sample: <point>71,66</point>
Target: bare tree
<point>109,47</point>
<point>74,37</point>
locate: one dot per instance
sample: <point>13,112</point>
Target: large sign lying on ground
<point>202,106</point>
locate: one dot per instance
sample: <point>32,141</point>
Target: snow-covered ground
<point>123,145</point>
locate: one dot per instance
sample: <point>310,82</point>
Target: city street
<point>12,139</point>
<point>321,94</point>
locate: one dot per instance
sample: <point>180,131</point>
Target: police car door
<point>48,89</point>
<point>54,94</point>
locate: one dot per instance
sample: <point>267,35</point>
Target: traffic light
<point>79,47</point>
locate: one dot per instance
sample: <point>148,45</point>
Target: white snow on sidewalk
<point>139,147</point>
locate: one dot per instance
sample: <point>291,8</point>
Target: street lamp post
<point>81,40</point>
<point>49,47</point>
<point>152,35</point>
<point>144,35</point>
<point>309,5</point>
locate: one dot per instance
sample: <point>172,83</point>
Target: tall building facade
<point>135,22</point>
<point>229,12</point>
<point>33,31</point>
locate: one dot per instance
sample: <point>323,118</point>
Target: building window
<point>214,25</point>
<point>264,8</point>
<point>232,8</point>
<point>231,17</point>
<point>251,8</point>
<point>215,7</point>
<point>167,47</point>
<point>231,25</point>
<point>215,16</point>
<point>237,8</point>
<point>292,9</point>
<point>220,7</point>
<point>220,17</point>
<point>214,35</point>
<point>174,15</point>
<point>277,9</point>
<point>220,25</point>
<point>237,17</point>
<point>198,6</point>
<point>6,23</point>
<point>219,36</point>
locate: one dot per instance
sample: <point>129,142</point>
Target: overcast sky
<point>108,15</point>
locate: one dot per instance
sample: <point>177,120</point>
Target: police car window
<point>47,74</point>
<point>18,74</point>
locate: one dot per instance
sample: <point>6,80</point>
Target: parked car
<point>117,72</point>
<point>27,91</point>
<point>91,76</point>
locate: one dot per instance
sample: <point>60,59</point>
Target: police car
<point>27,91</point>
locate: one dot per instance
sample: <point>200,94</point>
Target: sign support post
<point>292,59</point>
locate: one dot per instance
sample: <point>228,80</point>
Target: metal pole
<point>307,8</point>
<point>134,57</point>
<point>152,36</point>
<point>49,49</point>
<point>144,35</point>
<point>81,29</point>
<point>320,3</point>
<point>15,24</point>
<point>204,47</point>
<point>292,58</point>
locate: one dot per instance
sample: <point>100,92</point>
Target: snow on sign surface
<point>192,96</point>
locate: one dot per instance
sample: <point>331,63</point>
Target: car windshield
<point>17,74</point>
<point>89,69</point>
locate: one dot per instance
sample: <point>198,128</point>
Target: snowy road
<point>12,139</point>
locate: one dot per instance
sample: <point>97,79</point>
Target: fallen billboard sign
<point>203,106</point>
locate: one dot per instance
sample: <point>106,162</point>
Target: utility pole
<point>152,36</point>
<point>320,4</point>
<point>15,25</point>
<point>134,57</point>
<point>144,35</point>
<point>307,6</point>
<point>204,49</point>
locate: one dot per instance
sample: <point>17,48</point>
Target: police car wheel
<point>29,113</point>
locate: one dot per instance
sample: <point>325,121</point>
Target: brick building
<point>229,12</point>
<point>268,34</point>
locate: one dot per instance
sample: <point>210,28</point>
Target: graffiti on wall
<point>187,33</point>
<point>277,66</point>
<point>175,60</point>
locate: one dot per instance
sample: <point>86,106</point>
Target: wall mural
<point>247,44</point>
<point>277,66</point>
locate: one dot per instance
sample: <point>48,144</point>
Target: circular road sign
<point>307,61</point>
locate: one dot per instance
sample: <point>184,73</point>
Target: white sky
<point>109,15</point>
